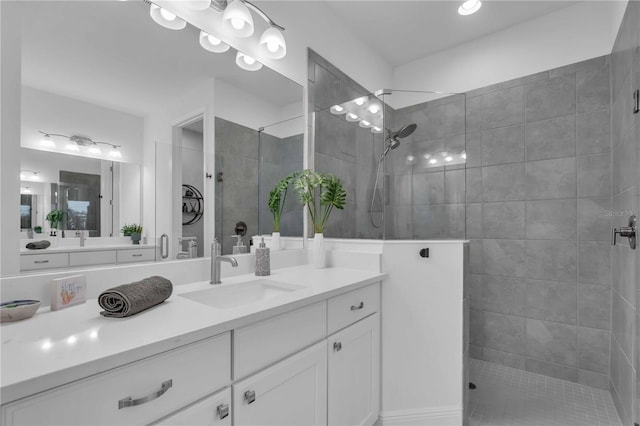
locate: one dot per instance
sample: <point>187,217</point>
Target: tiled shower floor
<point>507,396</point>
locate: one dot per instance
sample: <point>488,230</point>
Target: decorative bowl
<point>17,310</point>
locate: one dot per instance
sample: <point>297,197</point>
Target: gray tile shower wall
<point>625,184</point>
<point>537,191</point>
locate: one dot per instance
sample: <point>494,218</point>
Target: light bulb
<point>359,101</point>
<point>433,161</point>
<point>376,129</point>
<point>95,149</point>
<point>71,340</point>
<point>47,142</point>
<point>463,155</point>
<point>214,41</point>
<point>427,156</point>
<point>469,7</point>
<point>115,153</point>
<point>272,46</point>
<point>165,18</point>
<point>237,23</point>
<point>365,124</point>
<point>410,158</point>
<point>336,109</point>
<point>212,44</point>
<point>374,109</point>
<point>247,62</point>
<point>72,146</point>
<point>351,117</point>
<point>448,158</point>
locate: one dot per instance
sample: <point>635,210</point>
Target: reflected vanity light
<point>376,129</point>
<point>351,117</point>
<point>448,158</point>
<point>337,109</point>
<point>433,161</point>
<point>463,155</point>
<point>374,109</point>
<point>360,101</point>
<point>469,7</point>
<point>29,175</point>
<point>46,345</point>
<point>365,124</point>
<point>165,18</point>
<point>25,190</point>
<point>247,62</point>
<point>47,142</point>
<point>212,44</point>
<point>72,146</point>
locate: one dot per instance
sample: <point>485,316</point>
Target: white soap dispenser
<point>239,248</point>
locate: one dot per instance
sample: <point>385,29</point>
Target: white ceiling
<point>403,31</point>
<point>112,54</point>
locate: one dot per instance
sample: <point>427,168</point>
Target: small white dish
<point>17,310</point>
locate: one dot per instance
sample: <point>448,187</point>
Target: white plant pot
<point>275,241</point>
<point>319,252</point>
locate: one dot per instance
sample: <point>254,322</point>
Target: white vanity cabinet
<point>292,392</point>
<point>135,394</point>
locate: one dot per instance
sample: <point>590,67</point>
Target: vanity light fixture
<point>469,7</point>
<point>25,190</point>
<point>433,161</point>
<point>29,175</point>
<point>360,101</point>
<point>376,129</point>
<point>351,117</point>
<point>237,20</point>
<point>272,44</point>
<point>247,62</point>
<point>47,142</point>
<point>75,142</point>
<point>374,108</point>
<point>212,44</point>
<point>337,109</point>
<point>365,124</point>
<point>165,18</point>
<point>197,4</point>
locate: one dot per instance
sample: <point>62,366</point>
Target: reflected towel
<point>129,299</point>
<point>38,245</point>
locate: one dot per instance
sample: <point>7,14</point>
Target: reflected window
<point>26,210</point>
<point>79,195</point>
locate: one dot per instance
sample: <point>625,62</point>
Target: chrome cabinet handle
<point>626,231</point>
<point>136,255</point>
<point>337,346</point>
<point>130,402</point>
<point>40,261</point>
<point>357,308</point>
<point>164,246</point>
<point>223,411</point>
<point>250,396</point>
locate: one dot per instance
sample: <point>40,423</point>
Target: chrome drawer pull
<point>250,396</point>
<point>223,411</point>
<point>129,402</point>
<point>357,308</point>
<point>40,261</point>
<point>136,255</point>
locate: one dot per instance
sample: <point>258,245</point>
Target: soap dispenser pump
<point>239,248</point>
<point>263,260</point>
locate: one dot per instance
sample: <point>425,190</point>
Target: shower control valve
<point>626,231</point>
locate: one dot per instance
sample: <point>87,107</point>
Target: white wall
<point>573,34</point>
<point>48,112</point>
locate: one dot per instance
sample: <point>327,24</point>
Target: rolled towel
<point>129,299</point>
<point>38,245</point>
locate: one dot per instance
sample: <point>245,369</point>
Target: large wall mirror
<point>105,72</point>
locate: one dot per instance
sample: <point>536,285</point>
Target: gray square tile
<point>504,332</point>
<point>474,185</point>
<point>502,295</point>
<point>593,132</point>
<point>503,220</point>
<point>593,222</point>
<point>476,262</point>
<point>504,257</point>
<point>594,176</point>
<point>622,324</point>
<point>474,220</point>
<point>454,186</point>
<point>503,145</point>
<point>551,219</point>
<point>593,349</point>
<point>503,183</point>
<point>496,109</point>
<point>623,268</point>
<point>474,149</point>
<point>552,301</point>
<point>551,98</point>
<point>594,306</point>
<point>595,380</point>
<point>503,358</point>
<point>594,262</point>
<point>551,260</point>
<point>555,138</point>
<point>428,188</point>
<point>552,342</point>
<point>557,371</point>
<point>592,87</point>
<point>548,179</point>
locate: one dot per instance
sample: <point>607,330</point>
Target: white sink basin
<point>227,296</point>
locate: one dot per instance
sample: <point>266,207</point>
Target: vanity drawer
<point>259,345</point>
<point>135,255</point>
<point>353,306</point>
<point>100,257</point>
<point>32,262</point>
<point>185,375</point>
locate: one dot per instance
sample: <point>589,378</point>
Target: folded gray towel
<point>38,245</point>
<point>129,299</point>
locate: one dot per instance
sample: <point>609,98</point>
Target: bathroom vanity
<point>306,350</point>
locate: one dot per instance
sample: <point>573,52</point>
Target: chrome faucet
<point>81,235</point>
<point>216,258</point>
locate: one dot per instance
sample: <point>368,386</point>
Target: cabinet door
<point>292,392</point>
<point>354,374</point>
<point>214,410</point>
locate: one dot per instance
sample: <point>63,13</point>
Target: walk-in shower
<point>392,142</point>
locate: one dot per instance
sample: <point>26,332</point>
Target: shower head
<point>405,131</point>
<point>395,136</point>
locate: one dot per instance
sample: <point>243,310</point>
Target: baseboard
<point>438,416</point>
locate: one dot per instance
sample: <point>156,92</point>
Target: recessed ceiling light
<point>469,7</point>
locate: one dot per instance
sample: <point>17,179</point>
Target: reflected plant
<point>321,193</point>
<point>277,198</point>
<point>55,217</point>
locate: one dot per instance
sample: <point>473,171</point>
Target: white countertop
<point>54,348</point>
<point>91,247</point>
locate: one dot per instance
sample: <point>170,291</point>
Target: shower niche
<point>401,155</point>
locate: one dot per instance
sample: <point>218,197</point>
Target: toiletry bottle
<point>263,260</point>
<point>239,248</point>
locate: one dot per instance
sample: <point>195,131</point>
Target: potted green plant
<point>277,198</point>
<point>55,218</point>
<point>134,231</point>
<point>320,193</point>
